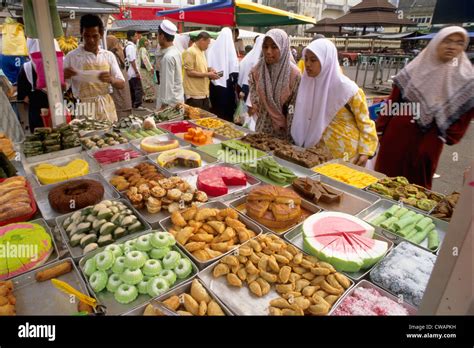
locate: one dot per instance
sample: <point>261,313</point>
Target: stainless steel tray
<point>108,173</point>
<point>297,169</point>
<point>61,161</point>
<point>382,205</point>
<point>77,252</point>
<point>105,298</point>
<point>411,261</point>
<point>54,252</point>
<point>206,159</point>
<point>49,156</point>
<point>166,224</point>
<point>242,129</point>
<point>312,208</point>
<point>49,214</point>
<point>368,285</point>
<point>353,200</point>
<point>162,137</point>
<point>191,177</point>
<point>128,146</point>
<point>181,119</point>
<point>181,289</point>
<point>43,298</point>
<point>350,165</point>
<point>240,300</point>
<point>216,139</point>
<point>295,237</point>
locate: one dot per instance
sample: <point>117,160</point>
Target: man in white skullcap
<point>170,82</point>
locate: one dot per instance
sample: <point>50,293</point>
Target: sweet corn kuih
<point>347,175</point>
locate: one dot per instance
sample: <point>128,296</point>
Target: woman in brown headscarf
<point>273,86</point>
<point>121,97</point>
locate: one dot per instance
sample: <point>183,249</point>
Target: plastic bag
<point>240,112</point>
<point>249,122</point>
<point>13,39</point>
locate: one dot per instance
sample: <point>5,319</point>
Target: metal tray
<point>54,252</point>
<point>159,125</point>
<point>418,210</point>
<point>233,125</point>
<point>412,260</point>
<point>215,150</point>
<point>368,285</point>
<point>128,146</point>
<point>166,224</point>
<point>108,173</point>
<point>43,298</point>
<point>350,165</point>
<point>234,191</point>
<point>105,298</point>
<point>312,208</point>
<point>49,156</point>
<point>60,161</point>
<point>295,237</point>
<point>162,137</point>
<point>205,160</point>
<point>240,300</point>
<point>382,205</point>
<point>216,139</point>
<point>77,252</point>
<point>49,214</point>
<point>353,200</point>
<point>181,289</point>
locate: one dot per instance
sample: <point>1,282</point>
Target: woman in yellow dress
<point>331,108</point>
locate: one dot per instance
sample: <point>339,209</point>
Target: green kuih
<point>393,209</point>
<point>388,223</point>
<point>423,223</point>
<point>401,212</point>
<point>378,220</point>
<point>404,222</point>
<point>433,240</point>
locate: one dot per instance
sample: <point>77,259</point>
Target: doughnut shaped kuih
<point>82,192</point>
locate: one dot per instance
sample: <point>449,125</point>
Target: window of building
<point>191,2</point>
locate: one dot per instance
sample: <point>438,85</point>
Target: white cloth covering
<point>222,57</point>
<point>249,61</point>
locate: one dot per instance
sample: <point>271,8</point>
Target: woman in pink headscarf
<point>273,86</point>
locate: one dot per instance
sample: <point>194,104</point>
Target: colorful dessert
<point>215,181</point>
<point>346,175</point>
<point>274,206</point>
<point>50,174</point>
<point>23,246</point>
<point>179,157</point>
<point>15,199</point>
<point>342,240</point>
<point>177,127</point>
<point>367,301</point>
<point>115,155</point>
<point>405,272</point>
<point>156,144</point>
<point>271,169</point>
<point>315,191</point>
<point>197,136</point>
<point>74,195</point>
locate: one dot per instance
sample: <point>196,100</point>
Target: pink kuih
<point>364,301</point>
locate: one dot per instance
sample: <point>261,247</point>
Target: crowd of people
<point>309,101</point>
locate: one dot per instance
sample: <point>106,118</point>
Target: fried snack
<point>190,304</point>
<point>172,303</point>
<point>199,292</point>
<point>213,309</point>
<point>54,272</point>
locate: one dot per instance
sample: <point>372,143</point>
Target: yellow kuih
<point>179,157</point>
<point>50,174</point>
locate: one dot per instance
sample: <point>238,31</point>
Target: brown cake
<point>74,195</point>
<point>274,206</point>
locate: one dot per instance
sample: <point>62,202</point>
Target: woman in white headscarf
<point>36,99</point>
<point>273,86</point>
<point>250,60</point>
<point>331,108</point>
<point>221,56</point>
<point>439,85</point>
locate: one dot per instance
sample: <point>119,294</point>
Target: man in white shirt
<point>170,88</point>
<point>91,71</point>
<point>134,78</point>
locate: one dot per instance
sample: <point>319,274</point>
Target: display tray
<point>77,252</point>
<point>295,237</point>
<point>177,291</point>
<point>411,206</point>
<point>43,298</point>
<point>173,127</point>
<point>49,214</point>
<point>307,209</point>
<point>49,156</point>
<point>106,298</point>
<point>61,161</point>
<point>353,200</point>
<point>54,251</point>
<point>109,173</point>
<point>166,224</point>
<point>233,125</point>
<point>33,206</point>
<point>240,300</point>
<point>350,165</point>
<point>215,139</point>
<point>368,285</point>
<point>206,159</point>
<point>382,205</point>
<point>215,150</point>
<point>128,146</point>
<point>192,175</point>
<point>161,137</point>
